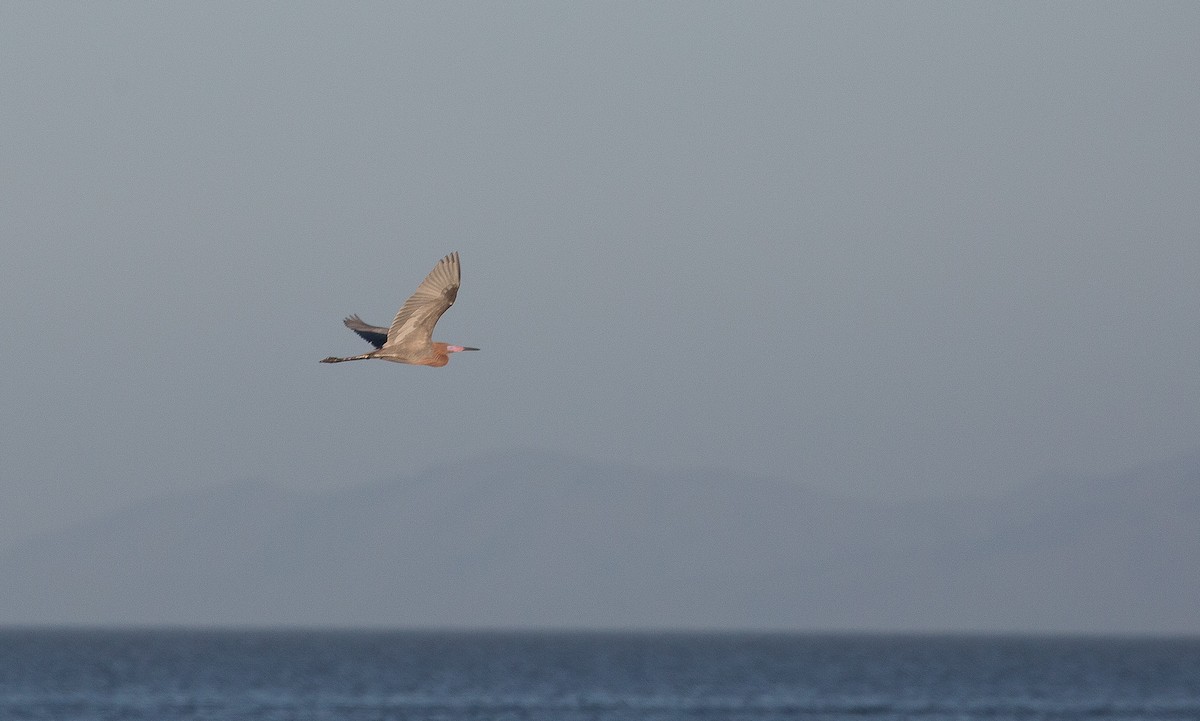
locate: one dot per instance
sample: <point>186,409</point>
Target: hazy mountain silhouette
<point>532,539</point>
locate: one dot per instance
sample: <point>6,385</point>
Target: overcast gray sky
<point>896,249</point>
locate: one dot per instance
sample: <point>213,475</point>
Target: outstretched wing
<point>420,313</point>
<point>372,334</point>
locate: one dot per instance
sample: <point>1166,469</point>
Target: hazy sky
<point>896,249</point>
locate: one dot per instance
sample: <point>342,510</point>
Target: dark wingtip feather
<point>372,334</point>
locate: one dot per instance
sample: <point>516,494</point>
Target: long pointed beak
<point>457,348</point>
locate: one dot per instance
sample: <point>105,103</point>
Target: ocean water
<point>302,675</point>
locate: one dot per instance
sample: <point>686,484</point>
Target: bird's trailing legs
<point>335,359</point>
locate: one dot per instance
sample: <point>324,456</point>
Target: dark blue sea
<point>370,676</point>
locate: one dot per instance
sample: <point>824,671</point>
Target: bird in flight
<point>410,339</point>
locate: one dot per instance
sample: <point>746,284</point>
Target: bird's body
<point>410,337</point>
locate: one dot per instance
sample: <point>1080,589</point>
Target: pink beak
<point>457,348</point>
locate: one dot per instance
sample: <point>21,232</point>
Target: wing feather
<point>372,334</point>
<point>420,313</point>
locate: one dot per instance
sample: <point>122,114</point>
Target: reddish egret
<point>410,339</point>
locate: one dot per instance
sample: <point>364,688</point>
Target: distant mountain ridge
<point>540,540</point>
